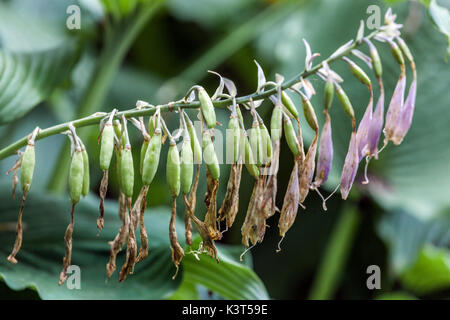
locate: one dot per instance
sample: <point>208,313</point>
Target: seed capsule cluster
<point>257,149</point>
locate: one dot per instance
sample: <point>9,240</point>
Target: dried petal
<point>307,172</point>
<point>290,202</point>
<point>211,205</point>
<point>177,250</point>
<point>376,126</point>
<point>230,204</point>
<point>254,226</point>
<point>325,158</point>
<point>350,167</point>
<point>362,135</point>
<point>395,109</point>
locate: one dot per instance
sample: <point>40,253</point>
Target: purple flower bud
<point>376,126</point>
<point>395,108</point>
<point>405,118</point>
<point>350,167</point>
<point>325,157</point>
<point>362,135</point>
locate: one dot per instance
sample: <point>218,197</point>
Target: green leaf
<point>431,271</point>
<point>40,259</point>
<point>396,296</point>
<point>35,58</point>
<point>230,278</point>
<point>441,18</point>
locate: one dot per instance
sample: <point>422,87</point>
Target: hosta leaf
<point>40,259</point>
<point>441,18</point>
<point>27,78</point>
<point>430,272</point>
<point>230,278</point>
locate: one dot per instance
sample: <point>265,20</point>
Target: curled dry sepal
<point>256,149</point>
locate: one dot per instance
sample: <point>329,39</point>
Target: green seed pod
<point>209,154</point>
<point>27,168</point>
<point>106,147</point>
<point>266,141</point>
<point>405,49</point>
<point>127,172</point>
<point>233,137</point>
<point>151,125</point>
<point>117,129</point>
<point>144,148</point>
<point>76,176</point>
<point>86,178</point>
<point>290,136</point>
<point>397,53</point>
<point>173,170</point>
<point>207,108</point>
<point>255,143</point>
<point>151,159</point>
<point>309,113</point>
<point>376,61</point>
<point>276,123</point>
<point>118,164</point>
<point>239,113</point>
<point>187,166</point>
<point>249,162</point>
<point>289,104</point>
<point>345,101</point>
<point>358,73</point>
<point>328,94</point>
<point>195,144</point>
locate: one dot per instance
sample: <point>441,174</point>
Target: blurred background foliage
<point>154,50</point>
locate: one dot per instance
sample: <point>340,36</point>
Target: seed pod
<point>117,129</point>
<point>107,146</point>
<point>290,136</point>
<point>266,142</point>
<point>207,108</point>
<point>255,143</point>
<point>289,104</point>
<point>309,113</point>
<point>376,61</point>
<point>249,162</point>
<point>195,144</point>
<point>328,94</point>
<point>345,101</point>
<point>239,113</point>
<point>397,53</point>
<point>358,72</point>
<point>276,123</point>
<point>151,159</point>
<point>76,175</point>
<point>151,125</point>
<point>173,169</point>
<point>86,179</point>
<point>187,167</point>
<point>143,152</point>
<point>209,154</point>
<point>27,168</point>
<point>405,49</point>
<point>127,171</point>
<point>233,137</point>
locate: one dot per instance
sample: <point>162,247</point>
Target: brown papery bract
<point>290,202</point>
<point>121,237</point>
<point>211,205</point>
<point>177,250</point>
<point>230,204</point>
<point>141,201</point>
<point>268,204</point>
<point>102,193</point>
<point>254,226</point>
<point>306,173</point>
<point>19,232</point>
<point>68,241</point>
<point>130,259</point>
<point>192,200</point>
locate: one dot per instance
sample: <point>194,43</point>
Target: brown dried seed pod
<point>268,205</point>
<point>177,250</point>
<point>290,203</point>
<point>137,216</point>
<point>131,254</point>
<point>254,226</point>
<point>230,204</point>
<point>68,241</point>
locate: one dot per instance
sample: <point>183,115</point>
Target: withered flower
<point>350,167</point>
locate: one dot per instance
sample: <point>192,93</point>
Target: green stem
<point>118,41</point>
<point>336,254</point>
<point>95,119</point>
